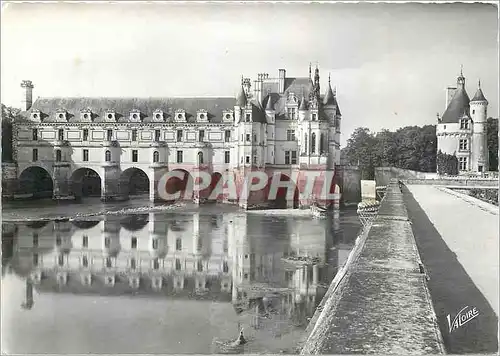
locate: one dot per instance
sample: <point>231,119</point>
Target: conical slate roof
<point>303,104</point>
<point>329,97</point>
<point>479,96</point>
<point>269,105</point>
<point>241,100</point>
<point>458,107</point>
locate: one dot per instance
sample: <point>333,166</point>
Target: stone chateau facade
<point>461,130</point>
<point>280,124</point>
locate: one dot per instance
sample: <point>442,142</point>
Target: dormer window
<point>291,113</point>
<point>464,124</point>
<point>248,117</point>
<point>85,115</point>
<point>35,115</point>
<point>180,115</point>
<point>158,115</point>
<point>110,115</point>
<point>227,116</point>
<point>61,115</point>
<point>202,116</point>
<point>135,115</point>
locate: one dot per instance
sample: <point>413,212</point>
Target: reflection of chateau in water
<point>249,260</point>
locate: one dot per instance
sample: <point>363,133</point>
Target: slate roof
<point>457,108</point>
<point>124,106</point>
<point>479,96</point>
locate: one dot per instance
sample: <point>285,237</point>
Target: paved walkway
<point>459,244</point>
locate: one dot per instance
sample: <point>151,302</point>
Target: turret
<point>302,108</point>
<point>478,113</point>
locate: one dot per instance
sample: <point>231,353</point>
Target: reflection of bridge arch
<point>134,222</point>
<point>37,224</point>
<point>84,224</point>
<point>182,185</point>
<point>134,181</point>
<point>37,181</point>
<point>85,182</point>
<point>281,197</point>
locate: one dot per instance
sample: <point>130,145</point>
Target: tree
<point>492,142</point>
<point>359,151</point>
<point>9,115</point>
<point>447,164</point>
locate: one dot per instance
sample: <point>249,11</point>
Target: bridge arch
<point>37,181</point>
<point>134,181</point>
<point>85,182</point>
<point>281,201</point>
<point>211,193</point>
<point>183,185</point>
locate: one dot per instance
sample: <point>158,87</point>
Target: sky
<point>389,62</point>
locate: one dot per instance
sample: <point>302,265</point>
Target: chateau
<point>461,131</point>
<point>72,147</point>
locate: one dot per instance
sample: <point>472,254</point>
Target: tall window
<point>85,134</point>
<point>108,262</point>
<point>227,135</point>
<point>35,134</point>
<point>109,135</point>
<point>462,163</point>
<point>305,143</point>
<point>225,267</point>
<point>35,154</point>
<point>35,239</point>
<point>177,264</point>
<point>294,157</point>
<point>290,135</point>
<point>132,263</point>
<point>463,144</point>
<point>227,155</point>
<point>200,266</point>
<point>134,135</point>
<point>313,143</point>
<point>107,156</point>
<point>178,244</point>
<point>156,263</point>
<point>154,244</point>
<point>85,241</point>
<point>107,242</point>
<point>200,157</point>
<point>291,113</point>
<point>254,137</point>
<point>134,156</point>
<point>247,159</point>
<point>157,135</point>
<point>287,157</point>
<point>464,123</point>
<point>201,136</point>
<point>85,261</point>
<point>133,243</point>
<point>60,134</point>
<point>85,155</point>
<point>179,156</point>
<point>35,259</point>
<point>247,117</point>
<point>248,137</point>
<point>179,135</point>
<point>314,117</point>
<point>58,156</point>
<point>322,143</point>
<point>60,260</point>
<point>156,156</point>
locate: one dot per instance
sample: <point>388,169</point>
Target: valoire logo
<point>463,317</point>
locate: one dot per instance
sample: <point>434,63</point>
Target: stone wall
<point>349,180</point>
<point>380,303</point>
<point>9,180</point>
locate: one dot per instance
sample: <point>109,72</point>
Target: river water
<point>185,280</point>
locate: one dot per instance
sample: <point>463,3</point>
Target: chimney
<point>258,87</point>
<point>27,99</point>
<point>281,81</point>
<point>450,91</point>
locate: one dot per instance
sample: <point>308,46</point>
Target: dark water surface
<point>167,282</point>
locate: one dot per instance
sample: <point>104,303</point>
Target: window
<point>108,262</point>
<point>35,134</point>
<point>177,264</point>
<point>133,244</point>
<point>294,157</point>
<point>480,169</point>
<point>155,244</point>
<point>107,242</point>
<point>305,143</point>
<point>179,135</point>
<point>314,117</point>
<point>133,263</point>
<point>227,155</point>
<point>225,267</point>
<point>85,261</point>
<point>107,156</point>
<point>322,148</point>
<point>464,124</point>
<point>200,266</point>
<point>134,135</point>
<point>134,156</point>
<point>179,156</point>
<point>290,135</point>
<point>85,134</point>
<point>200,157</point>
<point>254,159</point>
<point>254,137</point>
<point>35,154</point>
<point>85,155</point>
<point>58,241</point>
<point>58,156</point>
<point>473,112</point>
<point>178,244</point>
<point>35,239</point>
<point>463,145</point>
<point>313,143</point>
<point>60,134</point>
<point>156,264</point>
<point>227,136</point>
<point>60,260</point>
<point>247,117</point>
<point>109,135</point>
<point>247,159</point>
<point>35,259</point>
<point>462,163</point>
<point>201,136</point>
<point>157,135</point>
<point>248,138</point>
<point>291,113</point>
<point>85,241</point>
<point>287,157</point>
<point>156,156</point>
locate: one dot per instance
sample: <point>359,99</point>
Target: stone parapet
<point>380,303</point>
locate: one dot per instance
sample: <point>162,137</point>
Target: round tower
<point>479,148</point>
